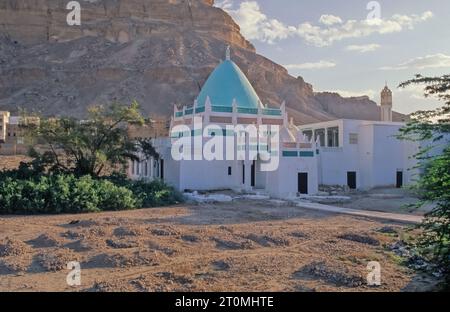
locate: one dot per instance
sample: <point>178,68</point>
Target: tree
<point>434,184</point>
<point>90,146</point>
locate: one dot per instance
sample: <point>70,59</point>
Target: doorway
<point>351,180</point>
<point>253,184</point>
<point>303,182</point>
<point>399,179</point>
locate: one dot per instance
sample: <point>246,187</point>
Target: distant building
<point>386,104</point>
<point>12,138</point>
<point>4,120</point>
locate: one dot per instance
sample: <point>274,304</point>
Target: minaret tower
<point>386,104</point>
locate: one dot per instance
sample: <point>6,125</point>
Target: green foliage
<point>66,173</point>
<point>434,184</point>
<point>61,193</point>
<point>434,187</point>
<point>155,193</point>
<point>149,194</point>
<point>25,192</point>
<point>90,146</point>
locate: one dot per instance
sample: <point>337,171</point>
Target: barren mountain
<point>158,52</point>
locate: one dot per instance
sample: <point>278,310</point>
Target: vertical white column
<point>208,110</point>
<point>248,175</point>
<point>152,177</point>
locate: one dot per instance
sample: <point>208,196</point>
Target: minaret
<point>228,53</point>
<point>386,104</point>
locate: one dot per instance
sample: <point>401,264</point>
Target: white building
<point>228,99</point>
<point>362,154</point>
<point>355,153</point>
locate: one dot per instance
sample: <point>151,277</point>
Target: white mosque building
<point>355,153</point>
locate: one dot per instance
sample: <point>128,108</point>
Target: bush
<point>154,194</point>
<point>149,194</point>
<point>67,193</point>
<point>434,187</point>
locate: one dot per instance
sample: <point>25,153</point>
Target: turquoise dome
<point>228,82</point>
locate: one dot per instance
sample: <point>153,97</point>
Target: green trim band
<point>200,110</point>
<point>222,109</point>
<point>290,154</point>
<point>306,154</point>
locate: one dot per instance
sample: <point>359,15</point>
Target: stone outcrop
<point>158,52</point>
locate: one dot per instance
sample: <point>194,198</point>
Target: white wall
<point>284,182</point>
<point>376,158</point>
<point>207,175</point>
<point>388,155</point>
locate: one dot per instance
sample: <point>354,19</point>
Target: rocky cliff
<point>158,52</point>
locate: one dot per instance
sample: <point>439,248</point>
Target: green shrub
<point>149,194</point>
<point>113,197</point>
<point>154,194</point>
<point>67,193</point>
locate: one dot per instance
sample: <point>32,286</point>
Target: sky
<point>354,46</point>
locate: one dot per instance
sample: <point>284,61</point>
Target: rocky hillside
<point>158,52</point>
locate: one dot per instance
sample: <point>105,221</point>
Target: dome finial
<point>228,53</point>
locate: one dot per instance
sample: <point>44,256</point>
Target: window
<point>320,133</point>
<point>229,171</point>
<point>353,138</point>
<point>132,167</point>
<point>308,134</point>
<point>333,137</point>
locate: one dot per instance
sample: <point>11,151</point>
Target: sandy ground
<point>239,246</point>
<point>391,200</point>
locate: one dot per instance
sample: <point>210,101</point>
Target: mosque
<point>279,158</point>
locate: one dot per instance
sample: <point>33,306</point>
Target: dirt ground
<point>239,246</point>
<point>392,200</point>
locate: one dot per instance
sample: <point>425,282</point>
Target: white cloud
<point>329,20</point>
<point>325,36</point>
<point>438,60</point>
<point>313,65</point>
<point>224,4</point>
<point>255,25</point>
<point>363,48</point>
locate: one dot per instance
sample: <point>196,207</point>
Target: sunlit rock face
<point>158,52</point>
